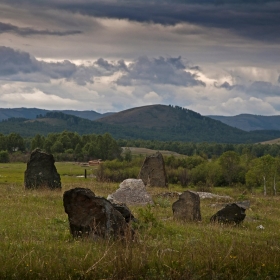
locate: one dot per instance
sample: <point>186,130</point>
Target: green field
<point>35,242</point>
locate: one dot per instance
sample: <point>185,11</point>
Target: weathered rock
<point>92,216</point>
<point>41,171</point>
<point>153,171</point>
<point>131,191</point>
<point>230,214</point>
<point>187,208</point>
<point>125,211</point>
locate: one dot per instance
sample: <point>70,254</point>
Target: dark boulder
<point>187,208</point>
<point>153,172</point>
<point>92,216</point>
<point>231,214</point>
<point>125,211</point>
<point>41,171</point>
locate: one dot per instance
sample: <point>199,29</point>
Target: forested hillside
<point>155,122</point>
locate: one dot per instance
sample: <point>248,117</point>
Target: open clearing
<point>148,152</point>
<point>35,242</point>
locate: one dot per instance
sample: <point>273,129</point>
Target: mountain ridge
<point>151,122</point>
<point>250,122</point>
<point>32,113</point>
<point>246,122</point>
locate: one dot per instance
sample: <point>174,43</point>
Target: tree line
<point>204,149</point>
<point>68,145</point>
<point>230,169</point>
<point>64,146</point>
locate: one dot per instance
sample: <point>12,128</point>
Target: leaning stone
<point>131,192</point>
<point>91,216</point>
<point>230,214</point>
<point>153,171</point>
<point>41,171</point>
<point>187,208</point>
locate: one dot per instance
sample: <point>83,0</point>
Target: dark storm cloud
<point>159,71</point>
<point>259,20</point>
<point>9,28</point>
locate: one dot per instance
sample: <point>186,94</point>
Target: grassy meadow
<point>35,242</point>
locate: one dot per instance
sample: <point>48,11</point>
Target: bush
<point>4,157</point>
<point>117,171</point>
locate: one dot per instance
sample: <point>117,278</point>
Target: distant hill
<point>26,113</point>
<point>249,122</point>
<point>32,113</point>
<point>154,122</point>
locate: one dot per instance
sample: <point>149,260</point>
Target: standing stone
<point>131,191</point>
<point>41,171</point>
<point>153,171</point>
<point>92,216</point>
<point>233,213</point>
<point>187,208</point>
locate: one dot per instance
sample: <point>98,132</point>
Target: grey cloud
<point>279,79</point>
<point>110,68</point>
<point>13,62</point>
<point>225,85</point>
<point>197,68</point>
<point>9,28</point>
<point>264,89</point>
<point>159,71</point>
<point>16,65</point>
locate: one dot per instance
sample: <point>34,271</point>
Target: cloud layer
<point>214,57</point>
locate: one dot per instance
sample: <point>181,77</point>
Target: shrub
<point>4,157</point>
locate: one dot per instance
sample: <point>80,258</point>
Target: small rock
<point>260,227</point>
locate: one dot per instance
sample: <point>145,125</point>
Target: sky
<point>215,57</point>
